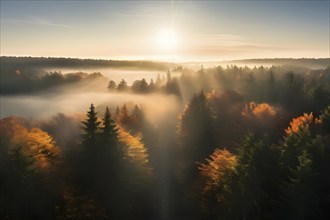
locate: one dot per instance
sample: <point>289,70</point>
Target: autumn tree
<point>242,186</point>
<point>29,158</point>
<point>305,161</point>
<point>214,174</point>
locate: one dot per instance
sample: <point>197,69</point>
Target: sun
<point>167,39</point>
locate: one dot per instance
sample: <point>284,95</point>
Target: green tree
<point>90,127</point>
<point>109,130</point>
<point>255,179</point>
<point>325,119</point>
<point>110,140</point>
<point>196,128</point>
<point>301,198</point>
<point>305,160</point>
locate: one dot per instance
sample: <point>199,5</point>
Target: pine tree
<point>197,129</point>
<point>124,117</point>
<point>110,153</point>
<point>301,198</point>
<point>255,178</point>
<point>90,127</point>
<point>109,130</point>
<point>111,165</point>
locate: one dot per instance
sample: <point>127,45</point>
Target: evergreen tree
<point>325,119</point>
<point>197,129</point>
<point>255,187</point>
<point>117,114</point>
<point>124,118</point>
<point>152,86</point>
<point>90,127</point>
<point>110,158</point>
<point>109,130</point>
<point>301,198</point>
<point>305,160</point>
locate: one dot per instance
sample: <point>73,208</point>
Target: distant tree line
<point>169,85</point>
<point>18,81</point>
<point>312,63</point>
<point>274,85</point>
<point>59,62</point>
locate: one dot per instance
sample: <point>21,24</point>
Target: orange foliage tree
<point>213,173</point>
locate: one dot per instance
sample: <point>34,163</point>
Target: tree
<point>90,127</point>
<point>140,86</point>
<point>109,162</point>
<point>152,86</point>
<point>124,118</point>
<point>325,119</point>
<point>109,130</point>
<point>172,87</point>
<point>271,88</point>
<point>196,136</point>
<point>168,76</point>
<point>112,85</point>
<point>305,160</point>
<point>243,186</point>
<point>197,129</point>
<point>255,187</point>
<point>122,86</point>
<point>137,119</point>
<point>29,159</point>
<point>215,173</point>
<point>144,86</point>
<point>301,198</point>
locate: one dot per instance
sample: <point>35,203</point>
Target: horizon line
<point>163,61</point>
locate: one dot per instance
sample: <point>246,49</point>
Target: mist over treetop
<point>60,62</point>
<point>312,63</point>
<point>90,63</point>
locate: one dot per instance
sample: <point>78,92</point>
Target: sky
<point>166,30</point>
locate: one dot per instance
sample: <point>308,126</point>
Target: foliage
<point>214,174</point>
<point>90,127</point>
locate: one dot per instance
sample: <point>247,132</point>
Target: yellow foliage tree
<point>221,162</point>
<point>36,144</point>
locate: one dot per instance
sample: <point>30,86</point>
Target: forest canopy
<point>234,143</point>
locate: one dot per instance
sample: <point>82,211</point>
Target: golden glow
<point>167,40</point>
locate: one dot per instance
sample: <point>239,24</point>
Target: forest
<point>241,143</point>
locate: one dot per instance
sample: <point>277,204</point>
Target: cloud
<point>224,45</point>
<point>141,15</point>
<point>33,21</point>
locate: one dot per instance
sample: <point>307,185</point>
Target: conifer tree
<point>124,117</point>
<point>197,129</point>
<point>109,130</point>
<point>90,127</point>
